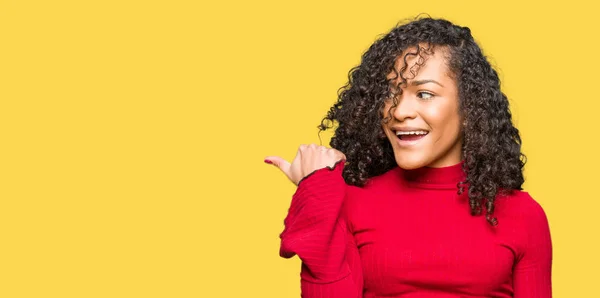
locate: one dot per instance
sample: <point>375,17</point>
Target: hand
<point>308,159</point>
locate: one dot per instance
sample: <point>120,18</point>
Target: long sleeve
<point>533,270</point>
<point>316,229</point>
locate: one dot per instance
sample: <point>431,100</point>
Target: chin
<point>410,163</point>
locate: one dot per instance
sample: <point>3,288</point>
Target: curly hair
<point>493,161</point>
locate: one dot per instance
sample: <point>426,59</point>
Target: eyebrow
<point>421,82</point>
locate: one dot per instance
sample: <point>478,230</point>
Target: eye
<point>424,95</point>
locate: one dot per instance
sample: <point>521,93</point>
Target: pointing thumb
<point>279,162</point>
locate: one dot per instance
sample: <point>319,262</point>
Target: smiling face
<point>425,126</point>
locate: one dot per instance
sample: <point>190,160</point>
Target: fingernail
<point>268,161</point>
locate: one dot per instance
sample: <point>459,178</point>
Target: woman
<point>421,193</point>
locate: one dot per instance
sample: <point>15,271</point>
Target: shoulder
<point>524,221</point>
<point>383,182</point>
<point>355,196</point>
<point>373,186</point>
<point>360,199</point>
<point>521,208</point>
<point>519,201</point>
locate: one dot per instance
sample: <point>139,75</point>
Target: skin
<point>429,101</point>
<point>308,159</point>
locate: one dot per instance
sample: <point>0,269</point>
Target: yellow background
<point>132,134</point>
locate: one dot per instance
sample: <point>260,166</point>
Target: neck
<point>430,177</point>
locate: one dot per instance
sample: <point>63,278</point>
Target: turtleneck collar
<point>428,177</point>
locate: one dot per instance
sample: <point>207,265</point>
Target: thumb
<point>281,163</point>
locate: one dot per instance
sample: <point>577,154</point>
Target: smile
<point>407,138</point>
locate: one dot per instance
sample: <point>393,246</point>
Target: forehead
<point>427,63</point>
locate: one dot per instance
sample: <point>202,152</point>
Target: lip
<point>405,143</point>
<point>407,128</point>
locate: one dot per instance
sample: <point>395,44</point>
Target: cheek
<point>437,115</point>
<point>444,120</point>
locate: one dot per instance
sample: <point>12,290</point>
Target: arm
<point>533,270</point>
<point>316,230</point>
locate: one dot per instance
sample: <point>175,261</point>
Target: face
<point>425,126</point>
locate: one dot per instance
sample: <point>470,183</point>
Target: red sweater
<point>409,234</point>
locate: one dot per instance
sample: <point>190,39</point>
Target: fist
<point>308,159</point>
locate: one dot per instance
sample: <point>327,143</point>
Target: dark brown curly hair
<point>491,144</point>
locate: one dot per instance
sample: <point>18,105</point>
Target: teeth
<point>404,133</point>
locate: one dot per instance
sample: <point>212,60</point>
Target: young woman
<point>420,194</point>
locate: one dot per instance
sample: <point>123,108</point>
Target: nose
<point>406,108</point>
